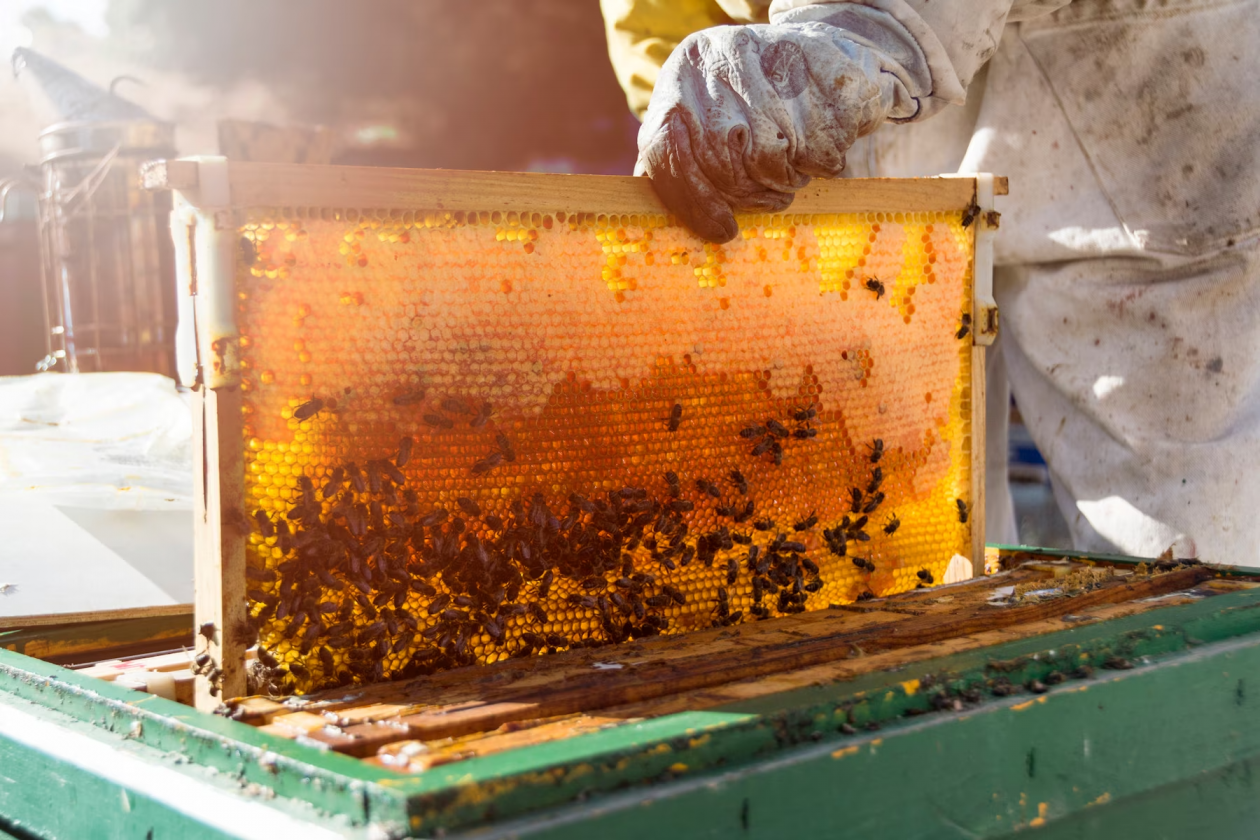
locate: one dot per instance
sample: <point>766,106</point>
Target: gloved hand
<point>742,116</point>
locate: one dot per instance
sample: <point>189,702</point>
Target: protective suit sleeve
<point>642,34</point>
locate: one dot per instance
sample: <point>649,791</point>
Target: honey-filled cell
<point>480,435</point>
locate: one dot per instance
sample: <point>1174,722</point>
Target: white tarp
<point>95,493</point>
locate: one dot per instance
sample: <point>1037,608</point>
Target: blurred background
<point>492,84</point>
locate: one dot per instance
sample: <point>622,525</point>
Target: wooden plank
<point>978,454</point>
<point>371,187</point>
<point>600,691</point>
<point>57,619</point>
<point>219,543</point>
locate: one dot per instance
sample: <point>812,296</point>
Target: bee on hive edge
<point>925,576</point>
<point>969,215</point>
<point>965,328</point>
<point>875,285</point>
<point>308,409</point>
<point>962,510</point>
<point>675,417</point>
<point>877,450</point>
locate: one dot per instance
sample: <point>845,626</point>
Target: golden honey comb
<point>554,374</point>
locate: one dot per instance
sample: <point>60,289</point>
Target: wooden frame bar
<point>208,190</point>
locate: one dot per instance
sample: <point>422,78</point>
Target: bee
<point>776,428</point>
<point>555,640</point>
<point>537,613</point>
<point>392,472</point>
<point>962,510</point>
<point>468,506</point>
<point>494,523</point>
<point>742,539</point>
<point>681,505</point>
<point>505,445</point>
<point>724,510</point>
<point>807,523</point>
<point>671,479</point>
<point>481,417</point>
<point>487,463</point>
<point>877,450</point>
<point>658,601</point>
<point>892,526</point>
<point>813,585</point>
<point>437,421</point>
<point>925,576</point>
<point>206,631</point>
<point>533,639</point>
<point>741,483</point>
<point>766,524</point>
<point>855,494</point>
<point>409,397</point>
<point>676,594</point>
<point>264,524</point>
<point>436,517</point>
<point>308,409</point>
<point>873,502</point>
<point>804,415</point>
<point>249,251</point>
<point>873,284</point>
<point>762,448</point>
<point>805,433</point>
<point>356,477</point>
<point>706,486</point>
<point>732,571</point>
<point>752,432</point>
<point>969,215</point>
<point>965,328</point>
<point>451,405</point>
<point>689,553</point>
<point>404,451</point>
<point>438,604</point>
<point>675,417</point>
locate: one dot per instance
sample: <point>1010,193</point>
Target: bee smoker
<point>108,267</point>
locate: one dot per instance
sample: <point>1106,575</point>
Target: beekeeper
<point>1128,267</point>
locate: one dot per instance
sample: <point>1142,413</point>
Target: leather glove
<point>743,116</point>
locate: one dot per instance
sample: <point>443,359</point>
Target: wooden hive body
<point>555,350</point>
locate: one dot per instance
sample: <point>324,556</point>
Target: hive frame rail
<point>206,189</point>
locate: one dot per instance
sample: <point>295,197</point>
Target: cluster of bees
<point>376,586</point>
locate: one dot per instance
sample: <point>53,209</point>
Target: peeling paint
<point>1101,799</point>
<point>911,687</point>
<point>1019,707</point>
<point>843,751</point>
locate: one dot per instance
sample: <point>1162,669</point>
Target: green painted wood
<point>66,779</point>
<point>656,756</point>
<point>1070,756</point>
<point>326,780</point>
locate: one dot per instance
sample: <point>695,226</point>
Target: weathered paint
<point>766,737</point>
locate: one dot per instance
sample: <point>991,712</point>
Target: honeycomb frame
<point>669,399</point>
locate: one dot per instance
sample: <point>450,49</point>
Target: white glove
<point>743,116</point>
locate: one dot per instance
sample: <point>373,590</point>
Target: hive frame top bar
<point>305,185</point>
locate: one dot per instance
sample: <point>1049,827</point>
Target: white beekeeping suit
<point>1129,268</point>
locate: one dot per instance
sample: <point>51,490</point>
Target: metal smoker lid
<point>93,139</point>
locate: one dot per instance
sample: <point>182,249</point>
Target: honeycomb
<point>478,435</point>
